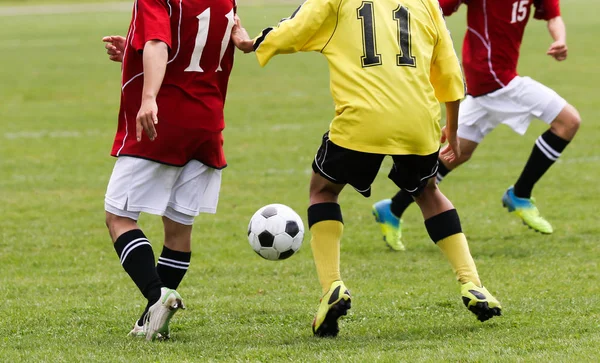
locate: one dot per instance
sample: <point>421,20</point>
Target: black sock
<point>442,172</point>
<point>137,258</point>
<point>171,268</point>
<point>400,202</point>
<point>546,151</point>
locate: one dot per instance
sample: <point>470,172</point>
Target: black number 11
<point>370,56</point>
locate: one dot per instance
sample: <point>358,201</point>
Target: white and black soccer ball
<point>275,232</point>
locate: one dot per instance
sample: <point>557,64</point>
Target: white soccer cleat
<point>137,331</point>
<point>156,324</point>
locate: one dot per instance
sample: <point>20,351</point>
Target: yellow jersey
<point>390,61</point>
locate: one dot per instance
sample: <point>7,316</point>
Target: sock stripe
<point>133,245</point>
<point>173,265</point>
<point>181,263</point>
<point>439,177</point>
<point>546,149</point>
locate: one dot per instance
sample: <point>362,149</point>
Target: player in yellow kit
<point>391,62</point>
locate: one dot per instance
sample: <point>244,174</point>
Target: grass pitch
<point>66,298</point>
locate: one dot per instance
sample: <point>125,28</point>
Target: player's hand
<point>558,50</point>
<point>146,118</point>
<point>240,37</point>
<point>450,152</point>
<point>115,47</point>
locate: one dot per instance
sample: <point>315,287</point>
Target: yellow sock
<point>325,245</point>
<point>456,250</point>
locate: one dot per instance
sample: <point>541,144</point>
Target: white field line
<point>108,7</point>
<point>65,9</point>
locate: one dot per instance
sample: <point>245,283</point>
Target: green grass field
<point>66,297</point>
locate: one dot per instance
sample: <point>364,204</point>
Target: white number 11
<point>202,36</point>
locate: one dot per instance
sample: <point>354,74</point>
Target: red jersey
<point>493,40</point>
<point>192,95</point>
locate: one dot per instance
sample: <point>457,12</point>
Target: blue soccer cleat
<point>390,224</point>
<point>526,210</point>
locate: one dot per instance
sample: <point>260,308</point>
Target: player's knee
<point>109,220</point>
<point>428,190</point>
<point>567,123</point>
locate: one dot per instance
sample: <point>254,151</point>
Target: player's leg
<point>195,190</point>
<point>326,226</point>
<point>132,246</point>
<point>333,168</point>
<point>564,122</point>
<point>547,149</point>
<point>444,228</point>
<point>388,212</point>
<point>474,124</point>
<point>415,174</point>
<point>139,185</point>
<point>173,261</point>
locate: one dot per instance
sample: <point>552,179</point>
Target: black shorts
<point>359,169</point>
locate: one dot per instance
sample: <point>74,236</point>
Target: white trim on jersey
<point>132,34</point>
<point>489,43</point>
<point>178,37</point>
<point>126,133</point>
<point>178,30</point>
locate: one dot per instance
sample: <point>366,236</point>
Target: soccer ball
<point>275,232</point>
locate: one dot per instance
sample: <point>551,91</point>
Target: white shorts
<point>178,193</point>
<point>515,105</point>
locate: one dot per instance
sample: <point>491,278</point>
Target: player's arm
<point>558,49</point>
<point>450,132</point>
<point>155,58</point>
<point>152,37</point>
<point>447,80</point>
<point>305,30</point>
<point>450,6</point>
<point>549,10</point>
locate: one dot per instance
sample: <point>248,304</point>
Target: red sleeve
<point>450,6</point>
<point>546,9</point>
<point>152,22</point>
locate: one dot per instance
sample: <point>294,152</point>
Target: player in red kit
<point>177,58</point>
<point>498,95</point>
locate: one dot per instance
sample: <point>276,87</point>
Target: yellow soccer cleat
<point>334,304</point>
<point>526,210</point>
<point>480,302</point>
<point>390,225</point>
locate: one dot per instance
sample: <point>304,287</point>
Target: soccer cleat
<point>390,224</point>
<point>137,331</point>
<point>480,302</point>
<point>526,210</point>
<point>156,324</point>
<point>334,304</point>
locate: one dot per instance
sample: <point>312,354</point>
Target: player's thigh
<point>522,100</point>
<point>139,185</point>
<point>411,173</point>
<point>195,191</point>
<point>344,166</point>
<point>473,120</point>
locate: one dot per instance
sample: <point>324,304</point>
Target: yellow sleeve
<point>446,74</point>
<point>308,29</point>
